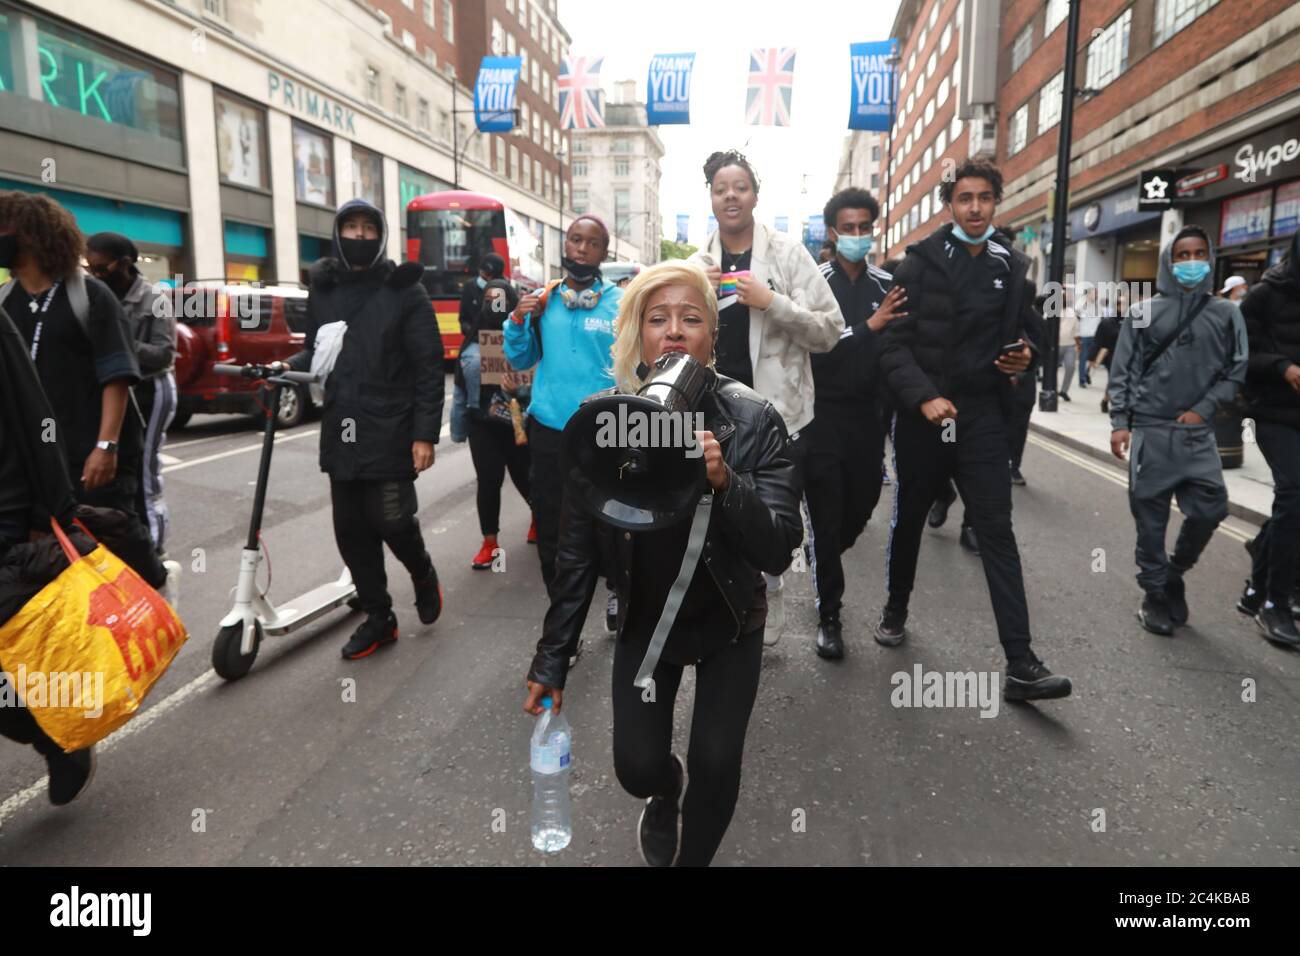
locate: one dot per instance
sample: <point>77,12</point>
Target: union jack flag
<point>581,105</point>
<point>771,87</point>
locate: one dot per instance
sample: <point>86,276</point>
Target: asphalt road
<point>278,768</point>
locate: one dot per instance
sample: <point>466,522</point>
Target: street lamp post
<point>455,133</point>
<point>1047,398</point>
<point>620,223</point>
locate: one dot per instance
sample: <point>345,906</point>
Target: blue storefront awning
<point>140,223</point>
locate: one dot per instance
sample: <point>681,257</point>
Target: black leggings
<point>493,449</point>
<point>368,515</point>
<point>726,684</point>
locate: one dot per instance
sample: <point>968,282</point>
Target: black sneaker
<point>375,631</point>
<point>1029,679</point>
<point>968,539</point>
<point>611,613</point>
<point>70,775</point>
<point>1294,603</point>
<point>1016,477</point>
<point>830,642</point>
<point>1154,614</point>
<point>1250,601</point>
<point>1176,597</point>
<point>428,596</point>
<point>938,513</point>
<point>891,631</point>
<point>1066,398</point>
<point>1275,621</point>
<point>656,832</point>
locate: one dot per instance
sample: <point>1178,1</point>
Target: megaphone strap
<point>694,548</point>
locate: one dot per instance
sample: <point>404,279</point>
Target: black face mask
<point>8,251</point>
<point>119,280</point>
<point>359,252</point>
<point>579,270</point>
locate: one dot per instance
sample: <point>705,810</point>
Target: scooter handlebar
<point>283,375</point>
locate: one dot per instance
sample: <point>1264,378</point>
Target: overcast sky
<point>721,34</point>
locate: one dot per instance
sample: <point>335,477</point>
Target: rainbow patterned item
<point>729,285</point>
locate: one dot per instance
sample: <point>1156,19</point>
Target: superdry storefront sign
<point>1272,156</point>
<point>309,104</point>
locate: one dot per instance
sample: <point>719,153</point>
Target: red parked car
<point>242,324</point>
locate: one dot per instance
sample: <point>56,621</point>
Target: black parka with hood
<point>386,388</point>
<point>1272,313</point>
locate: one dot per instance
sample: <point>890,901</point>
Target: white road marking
<point>237,451</point>
<point>168,459</point>
<point>17,801</point>
<point>1060,451</point>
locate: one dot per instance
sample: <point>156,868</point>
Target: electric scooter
<point>253,615</point>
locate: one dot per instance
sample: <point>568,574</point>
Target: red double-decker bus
<point>449,233</point>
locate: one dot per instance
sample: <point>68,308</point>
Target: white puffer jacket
<point>803,318</point>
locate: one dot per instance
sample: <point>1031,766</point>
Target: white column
<point>207,231</point>
<point>344,182</point>
<point>283,210</point>
<point>394,212</point>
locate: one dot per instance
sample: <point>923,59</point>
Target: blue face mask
<point>1192,272</point>
<point>482,283</point>
<point>853,248</point>
<point>960,233</point>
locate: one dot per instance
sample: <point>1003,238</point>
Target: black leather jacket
<point>755,525</point>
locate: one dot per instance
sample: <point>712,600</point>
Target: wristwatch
<point>108,446</point>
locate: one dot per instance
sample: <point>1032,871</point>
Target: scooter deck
<point>310,606</point>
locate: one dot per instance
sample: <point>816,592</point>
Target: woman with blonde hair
<point>754,528</point>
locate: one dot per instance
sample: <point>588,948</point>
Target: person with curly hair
<point>781,312</point>
<point>77,336</point>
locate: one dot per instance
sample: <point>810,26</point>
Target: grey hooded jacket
<point>1200,372</point>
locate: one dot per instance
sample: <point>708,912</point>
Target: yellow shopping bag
<point>83,653</point>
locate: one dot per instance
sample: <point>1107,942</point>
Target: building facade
<point>222,134</point>
<point>1209,89</point>
<point>1199,86</point>
<point>616,173</point>
<point>942,114</point>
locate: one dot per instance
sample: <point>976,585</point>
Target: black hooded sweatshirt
<point>1272,313</point>
<point>386,389</point>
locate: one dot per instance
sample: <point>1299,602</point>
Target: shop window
<point>313,166</point>
<point>241,142</point>
<point>368,176</point>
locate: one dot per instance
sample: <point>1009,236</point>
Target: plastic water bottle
<point>551,755</point>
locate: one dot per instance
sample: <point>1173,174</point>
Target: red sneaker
<point>483,560</point>
<point>532,532</point>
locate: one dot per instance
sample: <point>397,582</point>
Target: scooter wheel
<point>226,659</point>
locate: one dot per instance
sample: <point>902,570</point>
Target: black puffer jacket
<point>919,360</point>
<point>1272,314</point>
<point>386,389</point>
<point>754,526</point>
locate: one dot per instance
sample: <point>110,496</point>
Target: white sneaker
<point>775,609</point>
<point>611,613</point>
<point>172,588</point>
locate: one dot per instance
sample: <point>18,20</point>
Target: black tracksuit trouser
<point>726,684</point>
<point>546,487</point>
<point>1277,552</point>
<point>977,461</point>
<point>494,452</point>
<point>368,515</point>
<point>843,453</point>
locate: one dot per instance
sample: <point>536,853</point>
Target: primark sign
<point>309,104</point>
